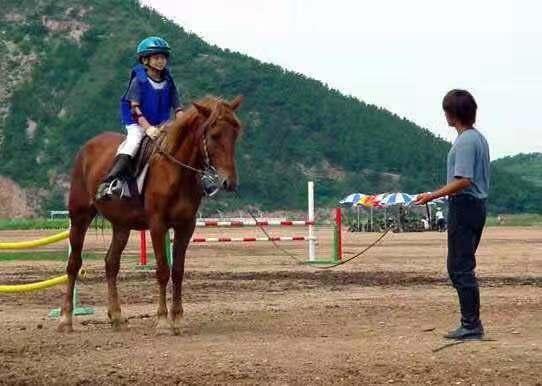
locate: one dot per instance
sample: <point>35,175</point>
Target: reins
<point>176,161</point>
<point>285,252</point>
<point>208,166</point>
<point>207,159</point>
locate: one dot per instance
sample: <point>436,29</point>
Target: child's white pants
<point>130,145</point>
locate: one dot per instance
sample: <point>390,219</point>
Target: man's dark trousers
<point>466,220</point>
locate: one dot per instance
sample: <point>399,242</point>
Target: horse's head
<point>219,134</point>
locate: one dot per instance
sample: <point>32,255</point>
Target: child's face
<point>157,61</point>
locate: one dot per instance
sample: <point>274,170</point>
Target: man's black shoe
<point>462,333</point>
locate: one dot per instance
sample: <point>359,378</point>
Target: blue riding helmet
<point>152,45</point>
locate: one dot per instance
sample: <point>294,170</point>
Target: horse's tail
<point>79,196</point>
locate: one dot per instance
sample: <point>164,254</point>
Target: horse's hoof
<point>162,327</point>
<point>175,327</point>
<point>162,331</point>
<point>167,331</point>
<point>119,324</point>
<point>64,327</point>
<point>65,323</point>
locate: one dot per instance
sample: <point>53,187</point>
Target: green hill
<point>518,183</point>
<point>66,63</point>
<point>526,166</point>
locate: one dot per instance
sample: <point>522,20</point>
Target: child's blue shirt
<point>155,99</point>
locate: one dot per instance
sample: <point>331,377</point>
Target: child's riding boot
<point>112,184</point>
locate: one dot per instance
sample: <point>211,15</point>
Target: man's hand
<point>153,132</point>
<point>453,187</point>
<point>424,198</point>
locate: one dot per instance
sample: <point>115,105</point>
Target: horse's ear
<point>203,110</point>
<point>236,102</point>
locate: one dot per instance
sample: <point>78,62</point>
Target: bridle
<point>209,175</point>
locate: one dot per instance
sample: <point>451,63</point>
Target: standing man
<point>467,188</point>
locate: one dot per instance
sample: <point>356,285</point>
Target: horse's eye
<point>215,136</point>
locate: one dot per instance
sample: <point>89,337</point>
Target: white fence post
<point>312,242</point>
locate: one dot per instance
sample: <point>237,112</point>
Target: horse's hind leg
<point>112,265</point>
<point>80,220</point>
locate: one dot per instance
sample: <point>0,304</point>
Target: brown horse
<point>206,133</point>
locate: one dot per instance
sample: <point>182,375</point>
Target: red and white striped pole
<point>251,223</point>
<point>249,239</point>
<point>264,222</point>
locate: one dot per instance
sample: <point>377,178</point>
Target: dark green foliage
<point>296,128</point>
<point>53,202</point>
<point>526,166</point>
<point>510,193</point>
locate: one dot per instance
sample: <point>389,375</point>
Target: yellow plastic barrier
<point>36,243</point>
<point>33,286</point>
<point>13,288</point>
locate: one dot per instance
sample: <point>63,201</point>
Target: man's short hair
<point>460,104</point>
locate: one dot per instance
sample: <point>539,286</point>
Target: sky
<point>400,55</point>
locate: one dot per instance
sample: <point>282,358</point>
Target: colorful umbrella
<point>379,198</point>
<point>370,201</point>
<point>351,199</point>
<point>397,199</point>
<point>364,201</point>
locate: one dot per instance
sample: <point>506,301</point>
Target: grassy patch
<point>44,256</point>
<point>37,223</point>
<point>45,223</point>
<point>517,220</point>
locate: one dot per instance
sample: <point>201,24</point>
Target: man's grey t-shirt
<point>469,158</point>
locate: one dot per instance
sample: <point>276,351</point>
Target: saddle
<point>134,183</point>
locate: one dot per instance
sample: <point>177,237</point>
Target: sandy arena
<point>255,316</point>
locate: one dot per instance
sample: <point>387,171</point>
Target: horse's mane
<point>190,125</point>
<point>177,130</point>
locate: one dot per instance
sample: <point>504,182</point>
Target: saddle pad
<point>133,187</point>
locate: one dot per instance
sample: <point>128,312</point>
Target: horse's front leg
<point>182,238</point>
<point>80,220</point>
<point>158,234</point>
<point>112,265</point>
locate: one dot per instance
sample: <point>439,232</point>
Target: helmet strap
<point>154,68</point>
<point>147,63</point>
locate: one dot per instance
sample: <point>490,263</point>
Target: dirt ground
<point>255,316</point>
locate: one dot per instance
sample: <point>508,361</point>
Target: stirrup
<point>114,188</point>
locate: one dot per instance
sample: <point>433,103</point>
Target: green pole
<point>169,249</point>
<point>77,310</point>
<point>335,253</point>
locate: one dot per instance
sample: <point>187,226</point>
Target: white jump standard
<point>310,237</point>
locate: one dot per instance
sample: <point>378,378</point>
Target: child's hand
<point>153,132</point>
